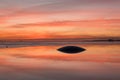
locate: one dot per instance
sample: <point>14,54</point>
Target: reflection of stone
<point>71,49</point>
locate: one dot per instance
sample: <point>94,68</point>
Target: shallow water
<point>98,62</point>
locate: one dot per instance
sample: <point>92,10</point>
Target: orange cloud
<point>63,29</point>
<point>60,19</point>
<point>80,23</point>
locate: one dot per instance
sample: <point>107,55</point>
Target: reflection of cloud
<point>94,53</point>
<point>45,63</point>
<point>32,68</point>
<point>2,59</point>
<point>81,58</point>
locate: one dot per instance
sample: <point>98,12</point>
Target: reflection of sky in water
<point>99,62</point>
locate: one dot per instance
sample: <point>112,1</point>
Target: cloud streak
<point>59,17</point>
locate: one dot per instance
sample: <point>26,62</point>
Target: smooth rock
<point>71,49</point>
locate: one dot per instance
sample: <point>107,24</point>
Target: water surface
<point>98,62</point>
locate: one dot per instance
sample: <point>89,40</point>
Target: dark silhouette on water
<point>71,49</point>
<point>110,40</point>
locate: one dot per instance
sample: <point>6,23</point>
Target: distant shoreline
<point>56,42</point>
<point>25,44</point>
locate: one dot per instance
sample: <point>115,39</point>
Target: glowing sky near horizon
<point>31,19</point>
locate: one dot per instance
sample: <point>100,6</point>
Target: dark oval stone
<point>71,49</point>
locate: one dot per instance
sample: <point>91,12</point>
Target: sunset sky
<point>35,19</point>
